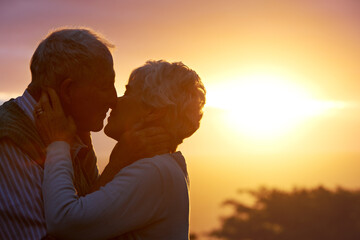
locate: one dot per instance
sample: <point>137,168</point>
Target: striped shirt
<point>21,203</point>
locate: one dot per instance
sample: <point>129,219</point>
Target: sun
<point>265,106</point>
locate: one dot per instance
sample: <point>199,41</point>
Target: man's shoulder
<point>10,118</point>
<point>16,125</point>
<point>7,144</point>
<point>8,109</point>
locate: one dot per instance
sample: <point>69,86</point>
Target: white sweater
<point>146,200</point>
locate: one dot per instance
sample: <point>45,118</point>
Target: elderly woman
<point>148,199</point>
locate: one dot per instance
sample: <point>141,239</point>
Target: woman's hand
<point>51,121</point>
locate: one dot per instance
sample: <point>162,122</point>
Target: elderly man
<point>76,63</point>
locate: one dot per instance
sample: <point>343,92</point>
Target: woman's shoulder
<point>163,166</point>
<point>162,162</point>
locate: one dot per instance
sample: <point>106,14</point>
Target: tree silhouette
<point>300,214</point>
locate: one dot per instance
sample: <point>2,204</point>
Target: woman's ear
<point>65,90</point>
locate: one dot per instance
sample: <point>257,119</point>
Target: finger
<point>151,131</point>
<point>162,138</point>
<point>160,148</point>
<point>154,116</point>
<point>44,102</point>
<point>72,124</point>
<point>54,100</point>
<point>37,105</point>
<point>37,108</point>
<point>138,126</point>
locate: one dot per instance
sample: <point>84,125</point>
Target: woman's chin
<point>110,133</point>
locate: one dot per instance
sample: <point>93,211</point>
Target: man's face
<point>90,101</point>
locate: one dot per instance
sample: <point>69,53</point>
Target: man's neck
<point>85,137</point>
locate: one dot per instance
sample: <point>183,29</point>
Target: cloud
<point>15,53</point>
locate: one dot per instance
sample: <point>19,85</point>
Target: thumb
<point>71,122</point>
<point>139,125</point>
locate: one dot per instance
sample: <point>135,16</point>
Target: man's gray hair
<point>69,53</point>
<point>176,89</point>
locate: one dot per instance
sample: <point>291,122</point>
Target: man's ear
<point>65,90</point>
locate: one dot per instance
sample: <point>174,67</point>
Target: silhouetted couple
<point>49,182</point>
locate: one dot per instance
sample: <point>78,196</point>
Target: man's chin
<point>90,126</point>
<point>108,132</point>
<point>96,127</point>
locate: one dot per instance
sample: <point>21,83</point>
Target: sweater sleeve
<point>132,200</point>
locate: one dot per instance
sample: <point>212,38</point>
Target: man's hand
<point>140,142</point>
<point>147,141</point>
<point>51,121</point>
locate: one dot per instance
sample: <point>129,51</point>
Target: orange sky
<point>311,44</point>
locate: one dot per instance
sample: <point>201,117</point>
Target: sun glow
<point>264,106</point>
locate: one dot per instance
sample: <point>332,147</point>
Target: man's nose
<point>113,98</point>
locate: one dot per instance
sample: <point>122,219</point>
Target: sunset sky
<point>282,77</point>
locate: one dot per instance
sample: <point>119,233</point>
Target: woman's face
<point>128,111</point>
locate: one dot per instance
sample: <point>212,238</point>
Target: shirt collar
<point>179,158</point>
<point>27,103</point>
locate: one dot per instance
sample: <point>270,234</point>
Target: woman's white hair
<point>69,53</point>
<point>176,89</point>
